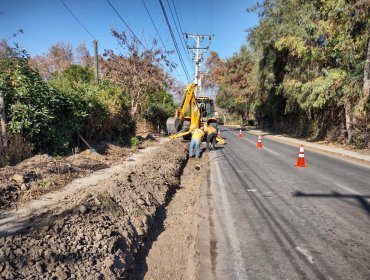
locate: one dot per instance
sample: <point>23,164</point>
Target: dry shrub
<point>361,132</point>
<point>18,150</point>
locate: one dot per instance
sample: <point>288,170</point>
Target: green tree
<point>234,80</point>
<point>50,115</point>
<point>29,101</point>
<point>96,111</point>
<point>159,107</point>
<point>311,58</point>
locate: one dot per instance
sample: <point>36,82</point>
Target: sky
<point>47,22</point>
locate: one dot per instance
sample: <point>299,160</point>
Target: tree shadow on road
<point>361,199</point>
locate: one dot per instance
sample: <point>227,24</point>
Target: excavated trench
<point>108,229</point>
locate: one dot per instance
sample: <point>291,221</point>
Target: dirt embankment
<point>98,234</point>
<point>43,173</point>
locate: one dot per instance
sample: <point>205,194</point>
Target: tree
<point>310,58</point>
<point>159,107</point>
<point>50,114</point>
<point>77,73</point>
<point>28,99</point>
<point>59,57</point>
<point>137,71</point>
<point>83,56</point>
<point>233,80</point>
<point>215,71</point>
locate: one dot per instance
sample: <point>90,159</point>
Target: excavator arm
<point>175,125</point>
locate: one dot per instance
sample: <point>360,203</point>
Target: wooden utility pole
<point>96,66</point>
<point>4,139</point>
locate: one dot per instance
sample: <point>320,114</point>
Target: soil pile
<point>43,173</point>
<point>98,234</point>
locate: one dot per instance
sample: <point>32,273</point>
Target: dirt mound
<point>38,161</point>
<point>99,236</point>
<point>43,173</point>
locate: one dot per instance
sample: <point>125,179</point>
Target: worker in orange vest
<point>211,136</point>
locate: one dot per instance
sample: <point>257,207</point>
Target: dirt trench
<point>104,229</point>
<point>172,250</point>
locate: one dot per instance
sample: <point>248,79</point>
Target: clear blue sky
<point>46,22</point>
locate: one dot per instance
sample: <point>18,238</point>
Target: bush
<point>135,141</point>
<point>159,107</point>
<point>50,115</point>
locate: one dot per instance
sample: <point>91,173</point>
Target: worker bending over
<point>211,136</point>
<point>196,138</point>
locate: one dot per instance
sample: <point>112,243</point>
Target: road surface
<point>264,218</point>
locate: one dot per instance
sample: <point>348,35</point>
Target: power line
<point>178,20</point>
<point>128,27</point>
<point>174,41</point>
<point>83,26</point>
<point>178,33</point>
<point>159,36</point>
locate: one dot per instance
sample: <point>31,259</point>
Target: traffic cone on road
<point>259,142</point>
<point>240,135</point>
<point>300,160</point>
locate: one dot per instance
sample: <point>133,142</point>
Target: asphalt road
<point>264,218</point>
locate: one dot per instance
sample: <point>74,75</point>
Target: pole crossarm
<point>198,54</point>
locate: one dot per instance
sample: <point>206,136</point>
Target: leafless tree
<point>138,71</point>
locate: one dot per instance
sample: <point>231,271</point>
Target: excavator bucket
<point>173,125</point>
<point>220,140</point>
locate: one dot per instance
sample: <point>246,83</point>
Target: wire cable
<point>80,23</point>
<point>182,32</point>
<point>174,41</point>
<point>178,33</point>
<point>128,27</point>
<point>159,36</point>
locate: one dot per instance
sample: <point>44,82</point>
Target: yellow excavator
<point>193,113</point>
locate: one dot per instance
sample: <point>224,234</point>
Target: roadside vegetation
<point>53,101</point>
<point>305,70</point>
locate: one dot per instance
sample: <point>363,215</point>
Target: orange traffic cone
<point>240,135</point>
<point>300,160</point>
<point>259,142</point>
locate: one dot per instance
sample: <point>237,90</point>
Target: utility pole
<point>198,54</point>
<point>4,139</point>
<point>95,42</point>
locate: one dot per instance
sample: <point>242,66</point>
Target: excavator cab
<point>206,107</point>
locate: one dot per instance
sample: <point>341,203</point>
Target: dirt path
<point>16,220</point>
<point>173,253</point>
